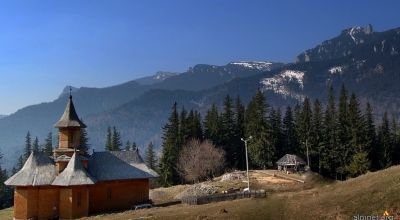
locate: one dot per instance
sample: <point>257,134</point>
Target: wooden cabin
<point>70,185</point>
<point>290,163</point>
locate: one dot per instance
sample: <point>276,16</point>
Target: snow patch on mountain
<point>356,33</point>
<point>286,83</point>
<point>260,65</point>
<point>156,78</point>
<point>336,70</point>
<point>351,33</point>
<point>160,75</point>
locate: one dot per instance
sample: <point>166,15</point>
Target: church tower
<point>69,130</point>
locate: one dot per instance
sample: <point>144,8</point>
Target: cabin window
<point>79,199</point>
<point>109,193</point>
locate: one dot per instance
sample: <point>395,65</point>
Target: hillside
<point>369,194</point>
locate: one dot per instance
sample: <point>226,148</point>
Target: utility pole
<point>247,162</point>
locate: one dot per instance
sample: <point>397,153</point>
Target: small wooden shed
<point>291,163</point>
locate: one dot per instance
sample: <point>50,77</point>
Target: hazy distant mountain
<point>39,119</point>
<point>2,116</point>
<point>158,77</point>
<point>204,76</point>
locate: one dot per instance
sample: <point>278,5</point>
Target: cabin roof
<point>74,174</point>
<point>119,165</point>
<point>69,118</point>
<point>134,159</point>
<point>290,160</point>
<point>38,170</point>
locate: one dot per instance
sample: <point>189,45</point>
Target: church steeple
<point>69,133</point>
<point>69,118</point>
<point>69,127</point>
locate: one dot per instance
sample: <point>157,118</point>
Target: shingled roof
<point>38,170</point>
<point>134,159</point>
<point>74,174</point>
<point>118,165</point>
<point>290,160</point>
<point>69,118</point>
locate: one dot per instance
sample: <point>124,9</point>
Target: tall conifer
<point>170,149</point>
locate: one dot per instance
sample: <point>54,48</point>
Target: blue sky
<point>45,45</point>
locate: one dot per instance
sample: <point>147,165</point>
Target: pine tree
<point>127,145</point>
<point>343,133</point>
<point>184,129</point>
<point>371,146</point>
<point>297,122</point>
<point>358,155</point>
<point>276,130</point>
<point>116,140</point>
<point>228,132</point>
<point>317,141</point>
<point>359,164</point>
<point>109,146</point>
<point>239,124</point>
<point>394,130</point>
<point>290,141</point>
<point>260,149</point>
<point>20,164</point>
<point>357,126</point>
<point>48,145</point>
<point>331,162</point>
<point>193,127</point>
<point>385,143</point>
<point>197,129</point>
<point>84,142</point>
<point>170,150</point>
<point>28,147</point>
<point>6,193</point>
<point>35,146</point>
<point>212,129</point>
<point>151,158</point>
<point>304,130</point>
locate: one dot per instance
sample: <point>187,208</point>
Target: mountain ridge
<point>139,111</point>
<point>39,118</point>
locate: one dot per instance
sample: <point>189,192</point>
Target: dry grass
<point>6,214</point>
<point>269,208</point>
<point>369,194</point>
